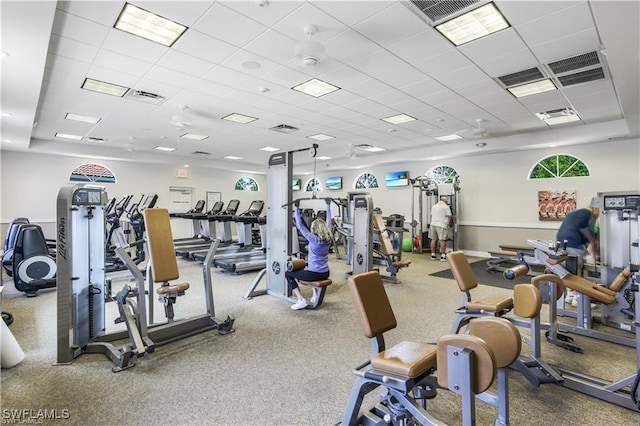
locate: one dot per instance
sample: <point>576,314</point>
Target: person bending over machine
<point>319,237</point>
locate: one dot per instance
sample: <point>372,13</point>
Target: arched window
<point>247,184</point>
<point>366,180</point>
<point>311,183</point>
<point>559,166</point>
<point>91,172</point>
<point>442,174</point>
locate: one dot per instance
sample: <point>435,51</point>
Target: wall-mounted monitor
<point>397,178</point>
<point>334,182</point>
<point>296,185</point>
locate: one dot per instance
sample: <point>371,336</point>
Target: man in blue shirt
<point>578,229</point>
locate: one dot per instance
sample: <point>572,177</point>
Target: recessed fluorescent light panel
<point>80,117</point>
<point>103,87</point>
<point>315,88</point>
<point>374,149</point>
<point>269,149</point>
<point>320,137</point>
<point>447,138</point>
<point>164,148</point>
<point>472,25</point>
<point>194,136</point>
<point>148,25</point>
<point>323,157</point>
<point>400,118</point>
<point>532,88</point>
<point>68,136</point>
<point>239,118</point>
<point>233,157</point>
<point>559,116</point>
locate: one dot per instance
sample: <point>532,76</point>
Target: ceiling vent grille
<point>581,77</point>
<point>284,128</point>
<point>200,153</point>
<point>142,96</point>
<point>521,77</point>
<point>437,10</point>
<point>574,63</point>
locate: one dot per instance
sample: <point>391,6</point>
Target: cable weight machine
<point>428,193</point>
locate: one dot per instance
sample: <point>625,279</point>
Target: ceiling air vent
<point>284,128</point>
<point>581,77</point>
<point>142,96</point>
<point>521,77</point>
<point>200,153</point>
<point>574,63</point>
<point>437,10</point>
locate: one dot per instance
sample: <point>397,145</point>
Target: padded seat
<point>410,359</point>
<point>466,280</point>
<point>321,283</point>
<point>491,304</point>
<point>173,288</point>
<point>589,288</point>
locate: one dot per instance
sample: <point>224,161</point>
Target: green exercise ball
<point>407,244</point>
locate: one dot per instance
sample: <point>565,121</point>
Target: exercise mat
<point>493,279</point>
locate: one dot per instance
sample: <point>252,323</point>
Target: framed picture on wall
<point>555,205</point>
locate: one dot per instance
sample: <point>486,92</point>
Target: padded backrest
<point>484,362</point>
<point>385,242</point>
<point>622,278</point>
<point>30,242</point>
<point>462,271</point>
<point>552,278</point>
<point>527,300</point>
<point>371,303</point>
<point>501,336</point>
<point>162,252</point>
<point>12,232</point>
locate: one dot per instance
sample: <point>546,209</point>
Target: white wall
<point>496,198</point>
<point>30,184</point>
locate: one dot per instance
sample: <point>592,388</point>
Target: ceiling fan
<point>310,52</point>
<point>180,120</point>
<point>479,132</point>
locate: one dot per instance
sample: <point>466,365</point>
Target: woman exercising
<point>319,237</point>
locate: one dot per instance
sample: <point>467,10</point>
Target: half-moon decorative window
<point>559,166</point>
<point>247,184</point>
<point>313,183</point>
<point>366,180</point>
<point>442,174</point>
<point>91,172</point>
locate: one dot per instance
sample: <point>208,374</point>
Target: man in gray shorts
<point>440,221</point>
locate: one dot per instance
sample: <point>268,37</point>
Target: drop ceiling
<point>239,57</point>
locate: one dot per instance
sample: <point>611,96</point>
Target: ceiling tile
<point>424,44</point>
<point>184,63</point>
<point>379,28</point>
<point>134,46</point>
<point>293,24</point>
<point>487,48</point>
<point>228,25</point>
<point>565,47</point>
<point>444,63</point>
<point>101,12</point>
<point>203,46</point>
<point>267,15</point>
<point>518,12</point>
<point>108,59</point>
<point>556,25</point>
<point>79,29</point>
<point>351,15</point>
<point>349,45</point>
<point>511,62</point>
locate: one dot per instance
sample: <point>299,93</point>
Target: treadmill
<point>199,234</point>
<point>185,250</point>
<point>250,256</point>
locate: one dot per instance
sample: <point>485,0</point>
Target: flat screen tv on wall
<point>397,178</point>
<point>334,182</point>
<point>295,184</point>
